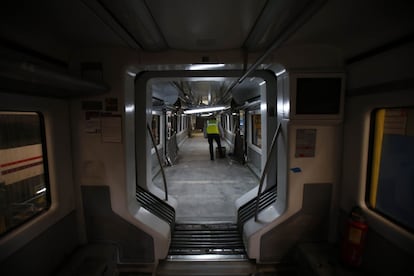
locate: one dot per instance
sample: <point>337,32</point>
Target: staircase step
<point>206,239</point>
<point>212,268</point>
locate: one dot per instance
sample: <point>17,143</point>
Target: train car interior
<point>190,137</point>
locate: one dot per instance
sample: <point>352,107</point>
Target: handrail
<point>283,35</point>
<point>159,161</point>
<point>266,168</point>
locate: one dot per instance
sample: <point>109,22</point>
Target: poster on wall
<point>305,143</point>
<point>106,124</point>
<point>92,122</point>
<point>111,128</point>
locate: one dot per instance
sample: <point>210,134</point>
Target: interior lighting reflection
<point>41,191</point>
<point>280,72</point>
<point>204,109</point>
<point>129,108</point>
<point>205,66</point>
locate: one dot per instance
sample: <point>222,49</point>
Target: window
<point>185,122</point>
<point>169,131</point>
<point>24,187</point>
<point>241,122</point>
<point>173,124</point>
<point>256,130</point>
<point>223,122</point>
<point>155,127</point>
<point>391,179</point>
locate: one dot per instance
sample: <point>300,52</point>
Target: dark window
<point>257,130</point>
<point>391,172</point>
<point>156,128</point>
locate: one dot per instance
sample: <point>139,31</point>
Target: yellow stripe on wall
<point>376,160</point>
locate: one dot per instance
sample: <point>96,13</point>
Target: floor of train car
<point>206,240</point>
<point>205,190</point>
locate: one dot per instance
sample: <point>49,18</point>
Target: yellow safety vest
<point>212,127</point>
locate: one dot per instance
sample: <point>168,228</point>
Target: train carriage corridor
<point>105,169</point>
<point>205,190</point>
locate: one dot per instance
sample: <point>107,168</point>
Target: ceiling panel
<point>205,25</point>
<point>356,26</point>
<point>135,18</point>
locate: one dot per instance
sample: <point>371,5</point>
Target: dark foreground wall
<point>309,224</point>
<point>103,225</point>
<point>44,254</point>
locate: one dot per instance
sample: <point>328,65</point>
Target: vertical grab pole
<point>159,161</point>
<point>266,168</point>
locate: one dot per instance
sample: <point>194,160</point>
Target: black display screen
<point>318,95</point>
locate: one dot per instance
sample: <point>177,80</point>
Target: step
<point>202,240</point>
<point>203,268</point>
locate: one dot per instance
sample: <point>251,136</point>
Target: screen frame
<point>293,79</point>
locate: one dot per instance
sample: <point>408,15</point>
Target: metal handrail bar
<point>159,161</point>
<point>265,170</point>
<point>306,14</point>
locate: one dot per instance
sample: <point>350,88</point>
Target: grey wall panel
<point>103,225</point>
<point>254,161</point>
<point>309,224</point>
<point>155,165</point>
<point>44,254</point>
<point>181,137</point>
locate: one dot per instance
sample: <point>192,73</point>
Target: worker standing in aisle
<point>212,131</point>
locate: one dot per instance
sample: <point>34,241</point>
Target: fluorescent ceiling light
<point>205,66</point>
<point>205,109</point>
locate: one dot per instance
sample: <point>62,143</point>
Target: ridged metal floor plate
<point>216,241</point>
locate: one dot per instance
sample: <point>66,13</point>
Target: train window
<point>155,127</point>
<point>241,122</point>
<point>256,130</point>
<point>174,124</point>
<point>186,120</point>
<point>168,117</point>
<point>223,121</point>
<point>390,183</point>
<point>24,187</point>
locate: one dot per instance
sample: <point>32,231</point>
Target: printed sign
<point>305,143</point>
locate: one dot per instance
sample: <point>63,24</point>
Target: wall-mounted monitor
<point>317,96</point>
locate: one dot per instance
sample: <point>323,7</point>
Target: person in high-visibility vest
<point>213,133</point>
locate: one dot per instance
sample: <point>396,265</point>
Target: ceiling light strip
<point>205,109</point>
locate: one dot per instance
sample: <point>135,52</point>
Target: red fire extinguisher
<point>353,242</point>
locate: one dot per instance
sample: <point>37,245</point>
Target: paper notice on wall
<point>305,143</point>
<point>111,129</point>
<point>92,123</point>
